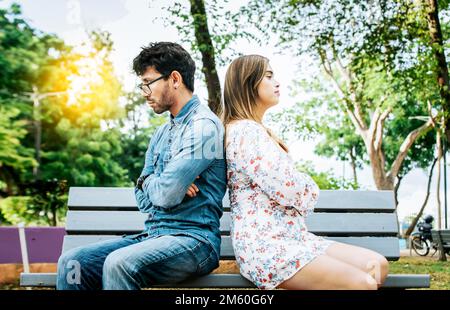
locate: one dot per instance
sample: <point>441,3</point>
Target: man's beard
<point>165,103</point>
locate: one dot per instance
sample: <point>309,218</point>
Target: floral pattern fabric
<point>270,200</point>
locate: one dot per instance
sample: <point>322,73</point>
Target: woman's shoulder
<point>242,129</point>
<point>243,124</point>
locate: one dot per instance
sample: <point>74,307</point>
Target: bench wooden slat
<point>108,197</point>
<point>113,198</point>
<point>38,279</point>
<point>231,281</point>
<point>238,281</point>
<point>356,224</point>
<point>355,201</point>
<point>387,246</point>
<point>445,235</point>
<point>120,222</point>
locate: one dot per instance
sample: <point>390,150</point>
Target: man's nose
<point>146,95</point>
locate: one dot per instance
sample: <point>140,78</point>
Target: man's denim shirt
<point>190,145</point>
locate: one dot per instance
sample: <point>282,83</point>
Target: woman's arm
<point>258,157</point>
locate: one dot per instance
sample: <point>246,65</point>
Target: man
<point>181,188</point>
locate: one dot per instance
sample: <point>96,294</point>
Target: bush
<point>45,204</point>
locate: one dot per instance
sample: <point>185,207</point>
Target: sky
<point>135,23</point>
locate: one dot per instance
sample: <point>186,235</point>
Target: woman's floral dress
<point>270,200</point>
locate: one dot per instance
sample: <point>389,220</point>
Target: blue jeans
<point>135,262</point>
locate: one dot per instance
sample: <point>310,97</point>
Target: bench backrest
<point>443,235</point>
<point>362,218</point>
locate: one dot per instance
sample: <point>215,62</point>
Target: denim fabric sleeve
<point>148,165</point>
<point>143,203</point>
<point>202,144</point>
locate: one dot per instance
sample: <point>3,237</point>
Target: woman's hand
<point>192,190</point>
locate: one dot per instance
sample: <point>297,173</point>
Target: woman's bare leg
<point>328,273</point>
<point>364,259</point>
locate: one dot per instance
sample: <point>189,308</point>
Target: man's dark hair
<point>166,57</point>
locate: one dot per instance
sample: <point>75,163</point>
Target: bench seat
<point>231,281</point>
<point>363,218</point>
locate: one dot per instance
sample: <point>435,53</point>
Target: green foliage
<point>45,205</point>
<point>78,148</point>
<point>375,55</point>
<point>326,180</point>
<point>227,26</point>
<point>79,113</point>
<point>14,210</point>
<point>12,153</point>
<point>23,52</point>
<point>48,200</point>
<point>86,158</point>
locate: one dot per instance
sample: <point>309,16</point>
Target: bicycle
<point>422,240</point>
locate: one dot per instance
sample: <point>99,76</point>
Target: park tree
<point>53,93</point>
<point>438,35</point>
<point>376,58</point>
<point>23,50</point>
<point>81,143</point>
<point>211,29</point>
<point>325,180</point>
<point>59,104</point>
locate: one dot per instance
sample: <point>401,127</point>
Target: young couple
<point>190,162</point>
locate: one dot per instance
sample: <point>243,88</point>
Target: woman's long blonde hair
<point>241,91</point>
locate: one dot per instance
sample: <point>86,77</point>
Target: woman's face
<point>268,90</point>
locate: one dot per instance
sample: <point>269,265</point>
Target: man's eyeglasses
<point>145,87</point>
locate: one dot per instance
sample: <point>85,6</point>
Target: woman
<point>270,199</point>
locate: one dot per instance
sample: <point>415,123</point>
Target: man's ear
<point>177,79</point>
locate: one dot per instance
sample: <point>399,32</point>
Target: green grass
<point>439,271</point>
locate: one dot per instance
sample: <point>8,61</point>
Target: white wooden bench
<point>362,218</point>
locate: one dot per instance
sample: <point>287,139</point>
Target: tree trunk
<point>7,175</point>
<point>372,135</point>
<point>204,43</point>
<point>54,219</point>
<point>434,26</point>
<point>438,183</point>
<point>397,186</point>
<point>37,132</point>
<point>442,257</point>
<point>353,165</point>
<point>416,219</point>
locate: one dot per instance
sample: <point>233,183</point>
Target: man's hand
<point>140,181</point>
<point>192,190</point>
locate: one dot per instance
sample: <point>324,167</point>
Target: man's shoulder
<point>156,136</point>
<point>206,117</point>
